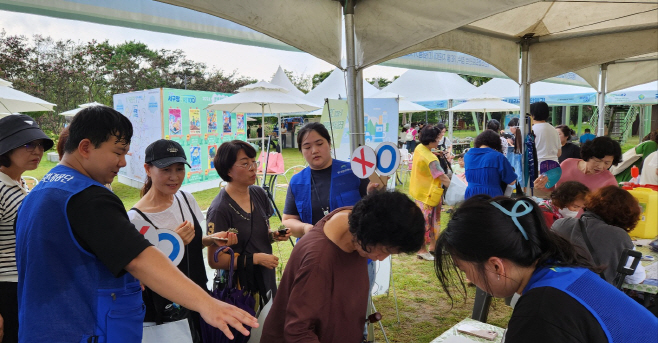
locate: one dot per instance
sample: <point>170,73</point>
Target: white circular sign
<point>147,230</point>
<point>363,162</point>
<point>388,158</point>
<point>171,245</point>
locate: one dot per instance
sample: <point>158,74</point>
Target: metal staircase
<point>623,124</point>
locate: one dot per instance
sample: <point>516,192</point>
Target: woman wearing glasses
<point>244,207</point>
<point>22,144</point>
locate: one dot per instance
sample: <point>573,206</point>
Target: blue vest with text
<point>65,293</point>
<point>621,318</point>
<point>344,189</point>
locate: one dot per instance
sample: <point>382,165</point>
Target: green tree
<point>475,80</point>
<point>319,77</point>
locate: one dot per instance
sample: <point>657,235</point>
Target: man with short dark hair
<point>79,257</point>
<point>323,294</point>
<point>587,136</point>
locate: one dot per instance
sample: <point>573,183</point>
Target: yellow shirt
<point>422,186</point>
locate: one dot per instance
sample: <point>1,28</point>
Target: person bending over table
<point>504,247</point>
<point>325,185</point>
<point>323,293</point>
<point>74,241</point>
<point>611,212</point>
<point>487,169</point>
<point>598,155</point>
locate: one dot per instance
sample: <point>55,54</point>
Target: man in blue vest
<point>79,258</point>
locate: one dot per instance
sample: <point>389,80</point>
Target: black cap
<point>163,153</point>
<point>17,130</point>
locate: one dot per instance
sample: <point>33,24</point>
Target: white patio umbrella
<point>13,101</point>
<point>80,108</point>
<point>405,106</point>
<point>262,97</point>
<point>484,103</point>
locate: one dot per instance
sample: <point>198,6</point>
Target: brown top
<point>323,295</point>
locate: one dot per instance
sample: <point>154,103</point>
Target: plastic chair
<point>295,170</point>
<point>405,166</point>
<point>622,270</point>
<point>30,181</point>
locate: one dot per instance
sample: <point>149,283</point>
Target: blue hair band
<point>514,214</point>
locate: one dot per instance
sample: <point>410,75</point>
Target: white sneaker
<point>425,256</point>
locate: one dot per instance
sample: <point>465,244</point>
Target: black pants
<point>9,310</point>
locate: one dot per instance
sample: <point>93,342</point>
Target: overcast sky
<point>259,63</point>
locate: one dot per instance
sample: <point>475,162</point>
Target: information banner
<point>380,124</point>
<point>199,131</point>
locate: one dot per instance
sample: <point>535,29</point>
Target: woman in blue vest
<point>325,185</point>
<point>505,248</point>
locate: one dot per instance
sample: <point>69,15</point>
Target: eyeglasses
<point>33,145</point>
<point>249,166</point>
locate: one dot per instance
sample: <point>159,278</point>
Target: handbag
<point>230,295</point>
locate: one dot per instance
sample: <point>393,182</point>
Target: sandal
<point>425,256</point>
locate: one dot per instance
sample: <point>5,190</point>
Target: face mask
<point>567,213</point>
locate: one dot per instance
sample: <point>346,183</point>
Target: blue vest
<point>621,318</point>
<point>65,294</point>
<point>344,189</point>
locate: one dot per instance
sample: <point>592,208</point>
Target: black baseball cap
<point>17,130</point>
<point>163,153</point>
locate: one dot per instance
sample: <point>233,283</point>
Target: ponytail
<point>147,184</point>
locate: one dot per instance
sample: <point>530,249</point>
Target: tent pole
<point>262,127</point>
<point>355,129</point>
<point>580,119</point>
<point>475,121</point>
<point>566,115</point>
<point>279,131</point>
<point>450,120</point>
<point>524,94</point>
<point>360,108</point>
<point>603,80</point>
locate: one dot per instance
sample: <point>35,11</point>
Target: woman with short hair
<point>487,170</point>
<point>598,155</point>
<point>22,144</point>
<point>610,214</point>
<point>245,207</point>
<point>425,186</point>
<point>567,201</point>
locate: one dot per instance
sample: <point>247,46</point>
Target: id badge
<point>325,212</point>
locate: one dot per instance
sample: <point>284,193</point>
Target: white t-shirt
<point>445,140</point>
<point>171,217</point>
<point>547,142</point>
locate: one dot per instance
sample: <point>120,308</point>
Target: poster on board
<point>144,111</point>
<point>380,120</point>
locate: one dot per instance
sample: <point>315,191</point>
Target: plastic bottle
<point>635,173</point>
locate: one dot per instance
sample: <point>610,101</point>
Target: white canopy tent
<point>281,79</point>
<point>71,113</point>
<point>426,87</point>
<point>484,103</point>
<point>506,88</point>
<point>405,106</point>
<point>15,101</point>
<point>262,97</point>
<point>335,87</point>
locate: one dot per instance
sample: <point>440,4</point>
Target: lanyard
<point>325,211</point>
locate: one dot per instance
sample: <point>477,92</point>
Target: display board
<point>144,110</point>
<point>179,115</point>
<point>380,124</point>
<point>200,132</point>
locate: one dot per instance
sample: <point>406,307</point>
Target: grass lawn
<point>425,310</point>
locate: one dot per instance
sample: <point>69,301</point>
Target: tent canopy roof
<point>420,85</point>
<point>334,87</point>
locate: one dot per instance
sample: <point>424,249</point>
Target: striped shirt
<point>11,196</point>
